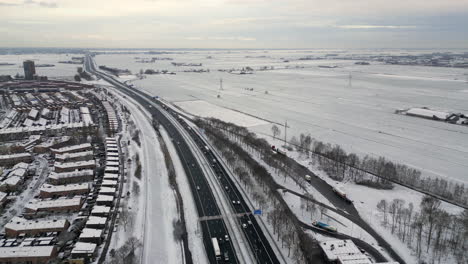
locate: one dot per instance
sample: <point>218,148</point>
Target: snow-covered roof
<point>112,158</point>
<point>91,233</point>
<point>105,198</point>
<point>12,130</point>
<point>22,224</point>
<point>21,165</point>
<point>96,220</point>
<point>33,113</point>
<point>71,174</point>
<point>112,154</point>
<point>20,172</point>
<point>84,248</point>
<point>28,123</point>
<point>107,190</point>
<point>30,252</point>
<point>111,176</point>
<point>112,164</point>
<point>14,156</point>
<point>74,164</point>
<point>42,121</point>
<point>100,209</point>
<point>57,203</point>
<point>112,169</point>
<point>74,155</point>
<point>87,120</point>
<point>335,249</point>
<point>45,112</point>
<point>84,110</point>
<point>11,181</point>
<point>109,183</point>
<point>64,188</point>
<point>72,148</point>
<point>427,113</point>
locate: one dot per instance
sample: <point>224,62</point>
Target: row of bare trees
<point>376,172</point>
<point>342,166</point>
<point>431,232</point>
<point>260,185</point>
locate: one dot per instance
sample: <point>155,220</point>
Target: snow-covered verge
<point>195,238</point>
<point>366,201</point>
<point>151,202</point>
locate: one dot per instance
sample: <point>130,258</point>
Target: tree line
<point>423,229</point>
<point>431,229</point>
<point>374,172</point>
<point>261,186</point>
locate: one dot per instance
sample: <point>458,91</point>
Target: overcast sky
<point>234,23</point>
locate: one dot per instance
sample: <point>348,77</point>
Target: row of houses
<point>63,194</point>
<point>12,179</point>
<point>93,233</point>
<point>111,116</point>
<point>12,159</point>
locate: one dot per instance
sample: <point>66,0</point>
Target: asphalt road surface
<point>203,195</point>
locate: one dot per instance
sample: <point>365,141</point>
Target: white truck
<point>307,178</point>
<point>342,194</point>
<point>217,251</point>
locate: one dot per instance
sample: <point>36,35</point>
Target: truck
<point>217,251</point>
<point>307,178</point>
<point>341,194</point>
<point>325,226</point>
<point>277,150</point>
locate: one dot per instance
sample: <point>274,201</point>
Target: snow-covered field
<point>321,101</point>
<point>59,70</point>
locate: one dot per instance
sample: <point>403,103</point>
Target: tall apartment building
<point>29,69</point>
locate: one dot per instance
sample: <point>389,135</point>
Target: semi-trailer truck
<point>342,194</point>
<point>324,226</point>
<point>217,251</point>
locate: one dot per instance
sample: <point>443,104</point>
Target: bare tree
<point>276,131</point>
<point>126,217</point>
<point>429,206</point>
<point>382,206</point>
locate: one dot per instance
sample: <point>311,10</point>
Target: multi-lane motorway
<point>212,220</point>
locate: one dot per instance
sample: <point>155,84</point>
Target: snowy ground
<point>195,238</point>
<point>320,101</point>
<point>205,109</point>
<point>154,208</point>
<point>365,200</point>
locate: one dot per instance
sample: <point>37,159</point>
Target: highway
<point>212,223</point>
